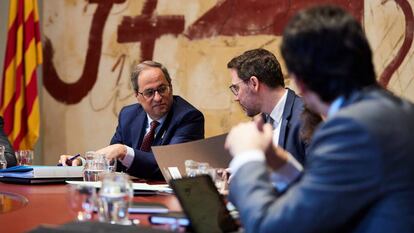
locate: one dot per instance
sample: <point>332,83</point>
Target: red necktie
<point>149,137</point>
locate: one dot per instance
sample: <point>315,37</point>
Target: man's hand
<point>275,155</point>
<point>256,136</point>
<point>247,136</point>
<point>115,151</point>
<point>75,162</point>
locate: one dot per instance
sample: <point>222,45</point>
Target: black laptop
<point>203,205</point>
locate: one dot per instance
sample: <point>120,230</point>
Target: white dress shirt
<point>276,115</point>
<point>129,157</point>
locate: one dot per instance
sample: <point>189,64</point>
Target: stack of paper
<point>135,186</point>
<point>39,174</point>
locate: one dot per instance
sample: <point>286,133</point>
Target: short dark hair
<point>142,66</point>
<point>326,48</point>
<point>260,63</point>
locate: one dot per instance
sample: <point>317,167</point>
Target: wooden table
<point>48,204</point>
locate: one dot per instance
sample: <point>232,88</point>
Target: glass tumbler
<point>114,199</point>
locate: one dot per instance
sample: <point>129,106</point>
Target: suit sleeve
<point>190,127</point>
<point>340,180</point>
<point>8,152</point>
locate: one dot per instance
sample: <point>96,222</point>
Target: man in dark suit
<point>358,174</point>
<point>8,149</point>
<point>159,118</point>
<point>258,85</point>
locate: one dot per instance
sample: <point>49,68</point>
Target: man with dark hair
<point>356,179</point>
<point>159,118</point>
<point>258,85</point>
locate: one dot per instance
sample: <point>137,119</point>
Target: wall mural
<point>226,18</point>
<point>90,46</point>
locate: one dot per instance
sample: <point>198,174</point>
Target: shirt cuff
<point>285,175</point>
<point>129,157</point>
<point>245,157</point>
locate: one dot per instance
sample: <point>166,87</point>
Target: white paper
<point>135,186</point>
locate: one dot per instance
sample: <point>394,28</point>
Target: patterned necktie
<point>149,137</point>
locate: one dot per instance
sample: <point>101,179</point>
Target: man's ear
<point>254,82</point>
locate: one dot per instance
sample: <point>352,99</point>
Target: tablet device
<point>203,205</point>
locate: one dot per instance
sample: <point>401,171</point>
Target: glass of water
<point>3,161</point>
<point>191,168</point>
<point>82,201</point>
<point>114,199</point>
<point>95,166</point>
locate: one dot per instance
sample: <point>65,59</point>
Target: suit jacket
<point>358,175</point>
<point>183,123</point>
<point>289,137</point>
<point>8,152</point>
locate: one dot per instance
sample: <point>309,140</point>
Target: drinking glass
<point>191,168</point>
<point>24,157</point>
<point>95,166</point>
<point>3,161</point>
<point>114,199</point>
<point>220,178</point>
<point>111,163</point>
<point>82,201</point>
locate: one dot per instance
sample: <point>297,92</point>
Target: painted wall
<point>91,45</point>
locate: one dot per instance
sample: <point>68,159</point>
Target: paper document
<point>135,186</point>
<point>170,158</point>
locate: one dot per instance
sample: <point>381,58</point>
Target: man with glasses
<point>159,118</point>
<point>258,85</point>
<point>359,174</point>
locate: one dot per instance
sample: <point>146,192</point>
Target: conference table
<point>25,207</point>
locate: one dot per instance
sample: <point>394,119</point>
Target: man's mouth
<point>158,105</point>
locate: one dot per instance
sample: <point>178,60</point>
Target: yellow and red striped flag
<point>19,102</point>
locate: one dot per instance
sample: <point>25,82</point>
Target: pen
<point>69,161</point>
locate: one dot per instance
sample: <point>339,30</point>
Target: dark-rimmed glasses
<point>149,93</point>
<point>234,88</point>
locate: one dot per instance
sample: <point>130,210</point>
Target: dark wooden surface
<point>48,205</point>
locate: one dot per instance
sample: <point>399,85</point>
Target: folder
<point>40,174</point>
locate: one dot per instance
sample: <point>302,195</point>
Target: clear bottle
<point>3,161</point>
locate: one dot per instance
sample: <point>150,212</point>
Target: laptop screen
<point>171,158</point>
<point>203,205</point>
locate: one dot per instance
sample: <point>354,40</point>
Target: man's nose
<point>157,96</point>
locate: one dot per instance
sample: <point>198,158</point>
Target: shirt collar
<point>335,106</point>
<point>277,111</point>
<point>161,120</point>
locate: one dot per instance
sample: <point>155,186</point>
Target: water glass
<point>3,161</point>
<point>203,168</point>
<point>111,163</point>
<point>95,166</point>
<point>191,168</point>
<point>220,178</point>
<point>24,157</point>
<point>115,198</point>
<point>82,201</point>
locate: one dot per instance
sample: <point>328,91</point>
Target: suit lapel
<point>138,127</point>
<point>166,125</point>
<point>287,112</point>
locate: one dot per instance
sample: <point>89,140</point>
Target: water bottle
<point>3,161</point>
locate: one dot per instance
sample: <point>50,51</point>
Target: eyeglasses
<point>149,93</point>
<point>234,88</point>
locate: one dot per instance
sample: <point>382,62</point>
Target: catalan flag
<point>19,102</point>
